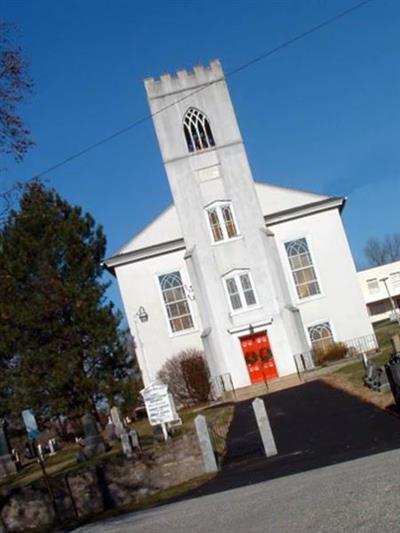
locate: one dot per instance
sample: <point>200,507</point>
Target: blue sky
<point>322,115</point>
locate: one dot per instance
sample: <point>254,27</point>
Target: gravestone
<point>40,452</point>
<point>396,343</point>
<point>134,437</point>
<point>110,431</point>
<point>210,464</point>
<point>7,465</point>
<point>126,444</point>
<point>264,428</point>
<point>116,420</point>
<point>370,375</point>
<point>93,443</point>
<point>52,449</point>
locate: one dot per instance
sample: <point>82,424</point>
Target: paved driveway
<point>362,495</point>
<point>315,425</point>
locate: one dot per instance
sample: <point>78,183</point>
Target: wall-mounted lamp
<point>142,314</point>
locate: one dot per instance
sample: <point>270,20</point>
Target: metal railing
<point>308,360</point>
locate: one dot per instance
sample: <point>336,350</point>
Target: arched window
<point>321,336</point>
<point>175,301</point>
<point>222,221</point>
<point>302,268</point>
<point>197,131</point>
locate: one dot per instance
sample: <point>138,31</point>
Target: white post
<point>264,428</point>
<point>210,464</point>
<point>165,432</point>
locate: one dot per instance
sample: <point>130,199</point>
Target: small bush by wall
<point>187,376</point>
<point>334,352</point>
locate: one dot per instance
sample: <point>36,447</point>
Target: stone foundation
<point>7,466</point>
<point>111,484</point>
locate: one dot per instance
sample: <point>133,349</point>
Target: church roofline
<point>175,245</point>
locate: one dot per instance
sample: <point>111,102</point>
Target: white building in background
<point>253,273</point>
<point>381,289</point>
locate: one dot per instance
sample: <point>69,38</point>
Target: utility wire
<point>229,74</point>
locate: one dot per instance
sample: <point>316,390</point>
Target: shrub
<point>187,376</point>
<point>333,352</point>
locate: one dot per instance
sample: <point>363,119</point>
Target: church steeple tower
<point>231,256</point>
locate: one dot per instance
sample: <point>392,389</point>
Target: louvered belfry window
<point>197,131</point>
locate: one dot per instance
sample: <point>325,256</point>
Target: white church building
<point>252,273</point>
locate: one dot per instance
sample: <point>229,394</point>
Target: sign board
<point>30,424</point>
<point>159,404</point>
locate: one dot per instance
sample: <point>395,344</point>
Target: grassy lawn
<point>350,377</point>
<point>64,460</point>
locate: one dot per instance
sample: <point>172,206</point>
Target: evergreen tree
<point>60,347</point>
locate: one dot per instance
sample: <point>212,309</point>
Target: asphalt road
<point>361,495</point>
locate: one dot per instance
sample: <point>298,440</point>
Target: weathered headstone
<point>134,437</point>
<point>52,449</point>
<point>116,420</point>
<point>370,375</point>
<point>93,443</point>
<point>110,431</point>
<point>30,424</point>
<point>126,444</point>
<point>264,428</point>
<point>396,343</point>
<point>210,463</point>
<point>40,452</point>
<point>7,465</point>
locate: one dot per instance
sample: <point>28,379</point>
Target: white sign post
<point>160,405</point>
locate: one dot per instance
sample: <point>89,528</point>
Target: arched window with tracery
<point>175,302</point>
<point>302,267</point>
<point>197,131</point>
<point>321,336</point>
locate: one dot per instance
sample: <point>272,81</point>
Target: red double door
<point>259,358</point>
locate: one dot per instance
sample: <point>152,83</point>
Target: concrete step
<point>259,389</point>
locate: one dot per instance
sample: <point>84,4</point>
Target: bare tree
<point>15,86</point>
<point>187,376</point>
<point>380,252</point>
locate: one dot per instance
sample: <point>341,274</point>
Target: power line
<point>231,73</point>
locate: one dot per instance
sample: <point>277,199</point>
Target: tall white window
<point>373,285</point>
<point>395,280</point>
<point>175,301</point>
<point>197,130</point>
<point>320,336</point>
<point>302,267</point>
<point>240,290</point>
<point>222,221</point>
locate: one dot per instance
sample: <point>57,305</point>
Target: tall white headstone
<point>264,428</point>
<point>116,420</point>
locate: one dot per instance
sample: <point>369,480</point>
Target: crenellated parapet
<point>184,80</point>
